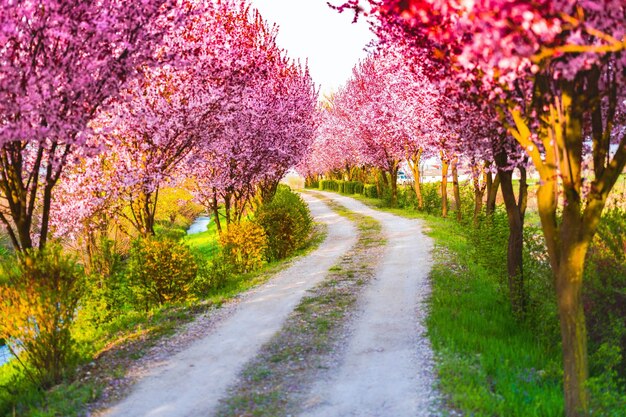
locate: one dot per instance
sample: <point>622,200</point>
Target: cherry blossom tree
<point>264,131</point>
<point>554,70</point>
<point>60,61</point>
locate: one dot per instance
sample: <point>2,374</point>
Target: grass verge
<point>275,382</point>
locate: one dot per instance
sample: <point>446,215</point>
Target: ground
<point>381,367</point>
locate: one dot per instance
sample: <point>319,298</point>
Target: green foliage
<point>542,312</point>
<point>244,246</point>
<point>312,184</point>
<point>213,275</point>
<point>107,290</point>
<point>432,197</point>
<point>160,271</point>
<point>488,242</point>
<point>353,187</point>
<point>168,232</point>
<point>329,185</point>
<point>370,190</point>
<point>489,363</point>
<point>287,223</point>
<point>39,295</point>
<point>605,294</point>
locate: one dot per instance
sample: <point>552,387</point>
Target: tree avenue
<point>549,75</point>
<point>111,110</point>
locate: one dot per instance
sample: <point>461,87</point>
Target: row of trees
<point>104,103</point>
<point>109,112</point>
<point>506,84</point>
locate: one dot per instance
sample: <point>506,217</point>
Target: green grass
<point>205,243</point>
<point>489,364</point>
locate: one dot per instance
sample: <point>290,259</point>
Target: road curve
<point>191,382</point>
<point>387,369</point>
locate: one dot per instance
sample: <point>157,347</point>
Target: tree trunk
<point>478,171</point>
<point>455,187</point>
<point>492,194</point>
<point>227,201</point>
<point>569,280</point>
<point>515,215</point>
<point>414,166</point>
<point>444,186</point>
<point>216,212</point>
<point>393,184</point>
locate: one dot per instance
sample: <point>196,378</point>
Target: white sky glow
<point>310,29</point>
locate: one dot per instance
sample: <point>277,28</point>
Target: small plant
<point>212,275</point>
<point>39,296</point>
<point>432,199</point>
<point>160,271</point>
<point>287,223</point>
<point>244,246</point>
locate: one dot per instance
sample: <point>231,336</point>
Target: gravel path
<point>388,367</point>
<point>191,382</point>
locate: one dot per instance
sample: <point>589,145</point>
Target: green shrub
<point>489,240</point>
<point>244,246</point>
<point>329,185</point>
<point>604,292</point>
<point>287,223</point>
<point>370,190</point>
<point>353,187</point>
<point>160,271</point>
<point>213,274</point>
<point>169,232</point>
<point>432,198</point>
<point>341,186</point>
<point>39,296</point>
<point>312,184</point>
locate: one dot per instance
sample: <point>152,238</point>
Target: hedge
<point>370,190</point>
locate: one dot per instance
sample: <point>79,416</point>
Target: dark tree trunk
<point>393,184</point>
<point>492,193</point>
<point>515,210</point>
<point>216,213</point>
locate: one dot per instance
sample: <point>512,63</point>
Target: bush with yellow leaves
<point>244,245</point>
<point>39,298</point>
<point>160,271</point>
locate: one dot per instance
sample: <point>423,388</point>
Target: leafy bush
<point>329,185</point>
<point>169,232</point>
<point>352,187</point>
<point>432,198</point>
<point>605,292</point>
<point>244,246</point>
<point>212,275</point>
<point>370,190</point>
<point>160,271</point>
<point>107,290</point>
<point>312,184</point>
<point>287,223</point>
<point>39,296</point>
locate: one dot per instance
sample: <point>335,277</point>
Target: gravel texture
<point>387,369</point>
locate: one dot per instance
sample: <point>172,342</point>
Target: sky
<point>310,29</point>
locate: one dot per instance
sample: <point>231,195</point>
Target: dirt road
<point>191,382</point>
<point>387,367</point>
